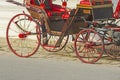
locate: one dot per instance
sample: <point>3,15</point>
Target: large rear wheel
<point>89,46</point>
<point>23,35</point>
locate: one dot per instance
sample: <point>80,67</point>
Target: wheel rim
<point>89,46</point>
<point>51,42</point>
<point>23,35</point>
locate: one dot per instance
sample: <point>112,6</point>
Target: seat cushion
<point>56,10</point>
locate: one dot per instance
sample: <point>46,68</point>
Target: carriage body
<point>91,10</point>
<point>58,19</point>
<point>50,25</point>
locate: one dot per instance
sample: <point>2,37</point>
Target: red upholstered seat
<point>57,8</point>
<point>51,9</point>
<point>87,2</point>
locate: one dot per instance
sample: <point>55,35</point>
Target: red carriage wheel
<point>23,35</point>
<point>113,51</point>
<point>51,42</point>
<point>89,46</point>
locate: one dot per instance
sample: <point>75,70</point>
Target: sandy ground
<point>7,11</point>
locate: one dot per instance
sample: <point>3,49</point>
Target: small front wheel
<point>89,46</point>
<point>23,35</point>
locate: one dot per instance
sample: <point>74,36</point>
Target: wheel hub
<point>22,35</point>
<point>89,44</point>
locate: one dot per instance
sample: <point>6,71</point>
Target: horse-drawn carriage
<point>50,25</point>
